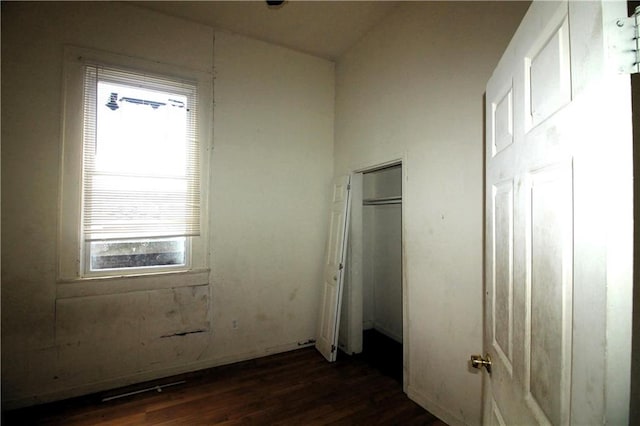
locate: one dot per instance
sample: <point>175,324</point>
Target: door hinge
<point>348,187</point>
<point>624,44</point>
<point>341,267</point>
<point>333,348</point>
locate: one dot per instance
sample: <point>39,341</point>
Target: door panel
<point>328,325</point>
<point>558,188</point>
<point>502,116</point>
<point>503,272</point>
<point>549,283</point>
<point>496,416</point>
<point>550,70</point>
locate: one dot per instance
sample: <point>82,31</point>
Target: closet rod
<point>381,201</point>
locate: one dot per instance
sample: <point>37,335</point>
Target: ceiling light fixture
<point>274,4</point>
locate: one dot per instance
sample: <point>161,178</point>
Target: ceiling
<point>321,28</point>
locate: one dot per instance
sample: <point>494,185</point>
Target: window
<point>138,150</point>
<point>140,173</point>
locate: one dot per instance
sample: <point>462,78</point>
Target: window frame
<point>87,272</point>
<point>72,249</point>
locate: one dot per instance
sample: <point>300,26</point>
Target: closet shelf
<point>382,200</point>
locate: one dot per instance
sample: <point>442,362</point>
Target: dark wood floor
<point>294,388</point>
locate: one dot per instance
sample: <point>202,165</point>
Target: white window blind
<point>141,165</point>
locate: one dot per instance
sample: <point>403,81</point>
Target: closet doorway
<point>372,310</point>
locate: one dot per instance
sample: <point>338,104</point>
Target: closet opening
<point>372,312</point>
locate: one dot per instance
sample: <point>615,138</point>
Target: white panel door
<point>558,222</point>
<point>333,276</point>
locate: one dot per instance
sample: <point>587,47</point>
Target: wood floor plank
<point>292,388</point>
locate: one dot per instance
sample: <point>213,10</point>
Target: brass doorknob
<point>478,362</point>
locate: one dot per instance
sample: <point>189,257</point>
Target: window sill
<point>100,286</point>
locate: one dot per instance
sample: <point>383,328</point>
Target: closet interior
<point>374,283</point>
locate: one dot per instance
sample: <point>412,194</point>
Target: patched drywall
<point>130,332</point>
<point>270,174</point>
<point>413,89</point>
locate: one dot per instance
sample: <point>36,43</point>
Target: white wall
<point>413,89</point>
<point>272,176</point>
<point>271,170</point>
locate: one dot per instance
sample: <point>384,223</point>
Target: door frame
<point>353,288</point>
